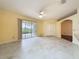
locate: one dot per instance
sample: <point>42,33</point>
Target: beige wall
<point>49,28</point>
<point>9,26</point>
<point>40,28</point>
<point>0,25</point>
<point>58,29</point>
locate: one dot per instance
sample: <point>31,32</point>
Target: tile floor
<point>40,48</point>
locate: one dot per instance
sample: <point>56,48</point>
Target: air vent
<point>63,1</point>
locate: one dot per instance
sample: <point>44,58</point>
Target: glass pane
<point>23,30</point>
<point>33,29</point>
<point>28,29</point>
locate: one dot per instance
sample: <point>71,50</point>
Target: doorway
<point>66,30</point>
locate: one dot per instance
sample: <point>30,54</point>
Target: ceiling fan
<point>42,11</point>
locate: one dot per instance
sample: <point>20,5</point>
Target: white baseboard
<point>9,41</point>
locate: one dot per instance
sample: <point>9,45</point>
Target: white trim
<point>9,41</point>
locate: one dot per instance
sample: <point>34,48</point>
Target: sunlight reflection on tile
<point>40,48</point>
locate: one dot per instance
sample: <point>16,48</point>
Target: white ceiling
<point>53,9</point>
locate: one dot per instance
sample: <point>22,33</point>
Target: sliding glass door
<point>34,29</point>
<point>28,29</point>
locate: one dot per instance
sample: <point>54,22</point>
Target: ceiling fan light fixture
<point>41,13</point>
<point>40,16</point>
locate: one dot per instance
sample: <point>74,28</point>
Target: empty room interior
<point>39,29</point>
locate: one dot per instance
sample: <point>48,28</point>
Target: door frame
<point>19,29</point>
<point>72,30</point>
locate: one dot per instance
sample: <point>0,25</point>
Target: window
<point>28,29</point>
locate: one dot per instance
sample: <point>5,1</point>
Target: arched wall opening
<point>66,30</point>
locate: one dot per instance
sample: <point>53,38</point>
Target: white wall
<point>76,29</point>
